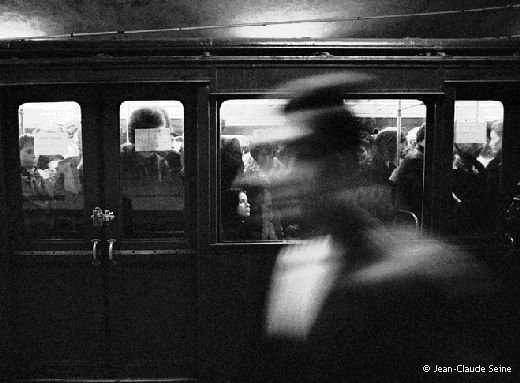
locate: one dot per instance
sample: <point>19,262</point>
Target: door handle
<point>95,261</point>
<point>111,250</point>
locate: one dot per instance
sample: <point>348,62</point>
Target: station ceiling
<point>329,19</point>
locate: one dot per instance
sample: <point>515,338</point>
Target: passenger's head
<point>385,145</point>
<point>232,165</point>
<point>411,137</point>
<point>235,205</point>
<point>323,159</point>
<point>147,118</point>
<point>263,155</point>
<point>421,135</point>
<point>469,150</point>
<point>495,136</point>
<point>26,146</point>
<point>320,188</point>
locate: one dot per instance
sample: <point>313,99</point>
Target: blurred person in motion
<point>354,303</point>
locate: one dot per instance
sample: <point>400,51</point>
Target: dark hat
<point>323,91</point>
<point>319,115</point>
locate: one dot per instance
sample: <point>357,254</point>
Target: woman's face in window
<point>243,208</point>
<point>27,157</point>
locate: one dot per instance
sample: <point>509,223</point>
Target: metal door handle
<point>95,261</point>
<point>111,250</point>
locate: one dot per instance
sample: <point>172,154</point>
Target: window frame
<point>430,100</point>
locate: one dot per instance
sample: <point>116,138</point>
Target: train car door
<point>150,171</point>
<point>480,160</point>
<point>101,182</point>
<point>52,178</point>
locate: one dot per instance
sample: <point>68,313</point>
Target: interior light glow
<point>14,25</point>
<point>296,30</point>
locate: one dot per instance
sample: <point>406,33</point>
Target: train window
<point>251,160</point>
<point>476,170</point>
<point>51,169</point>
<point>152,168</point>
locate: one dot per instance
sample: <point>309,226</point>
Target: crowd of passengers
<point>47,178</point>
<point>59,178</point>
<point>391,182</point>
<point>249,211</point>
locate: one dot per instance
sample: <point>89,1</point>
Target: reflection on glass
<point>152,168</point>
<point>477,162</point>
<point>51,169</point>
<point>254,157</point>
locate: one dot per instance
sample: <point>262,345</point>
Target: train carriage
<point>107,277</point>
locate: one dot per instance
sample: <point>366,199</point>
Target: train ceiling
<point>223,19</point>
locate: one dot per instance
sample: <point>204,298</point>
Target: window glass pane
<point>250,164</point>
<point>51,169</point>
<point>477,162</point>
<point>152,168</point>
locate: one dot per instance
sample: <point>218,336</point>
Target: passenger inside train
<point>409,174</point>
<point>236,211</point>
<point>248,125</point>
<point>152,180</point>
<point>52,133</point>
<point>36,184</point>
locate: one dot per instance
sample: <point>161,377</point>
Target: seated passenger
<point>409,177</point>
<point>469,189</point>
<point>36,186</point>
<point>235,214</point>
<point>68,174</point>
<point>68,181</point>
<point>385,157</point>
<point>491,157</point>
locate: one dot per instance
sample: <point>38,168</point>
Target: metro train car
<point>116,261</point>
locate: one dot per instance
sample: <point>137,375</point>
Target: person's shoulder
<point>433,274</point>
<point>413,155</point>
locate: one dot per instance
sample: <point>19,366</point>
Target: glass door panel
<point>51,169</point>
<point>152,169</point>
